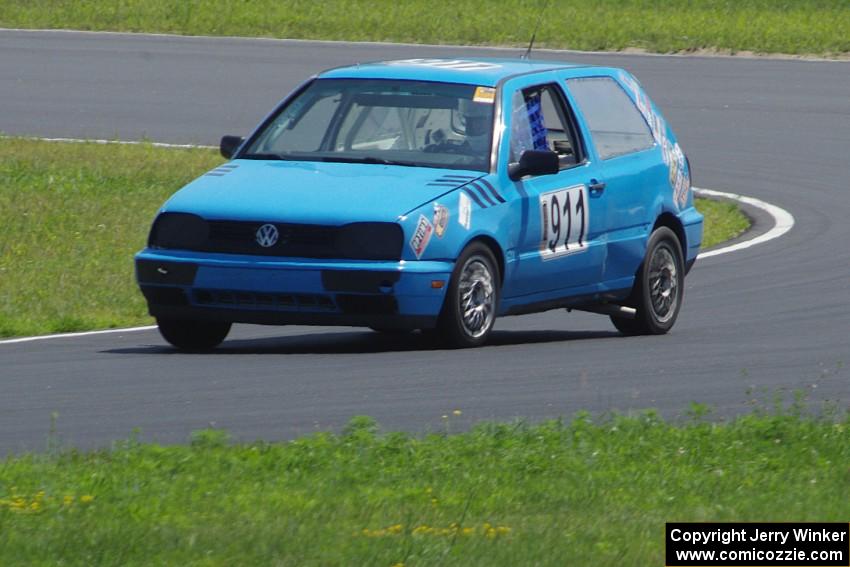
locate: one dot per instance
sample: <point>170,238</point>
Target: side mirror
<point>534,162</point>
<point>229,145</point>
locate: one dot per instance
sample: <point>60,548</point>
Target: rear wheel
<point>658,288</point>
<point>187,334</point>
<point>469,310</point>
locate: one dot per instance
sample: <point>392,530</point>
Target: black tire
<point>193,335</point>
<point>475,279</point>
<point>659,287</point>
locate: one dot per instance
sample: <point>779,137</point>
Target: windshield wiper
<point>284,157</point>
<point>265,156</point>
<point>327,158</point>
<point>369,159</point>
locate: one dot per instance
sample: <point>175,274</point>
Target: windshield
<point>413,123</point>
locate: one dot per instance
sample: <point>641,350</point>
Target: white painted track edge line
<point>783,221</point>
<point>519,48</point>
<point>104,141</point>
<point>80,334</point>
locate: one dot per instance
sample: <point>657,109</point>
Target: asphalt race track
<point>771,318</point>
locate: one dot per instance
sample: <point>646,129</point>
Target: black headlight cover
<point>179,231</point>
<point>370,241</point>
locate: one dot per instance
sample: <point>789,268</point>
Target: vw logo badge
<point>267,235</point>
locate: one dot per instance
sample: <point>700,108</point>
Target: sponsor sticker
<point>464,215</point>
<point>672,154</point>
<point>681,179</point>
<point>484,94</point>
<point>441,219</point>
<point>421,237</point>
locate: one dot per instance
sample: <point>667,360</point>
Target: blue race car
<point>433,194</point>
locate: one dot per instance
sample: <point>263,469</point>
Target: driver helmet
<point>475,117</point>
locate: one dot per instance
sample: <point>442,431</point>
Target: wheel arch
<point>495,248</point>
<point>672,222</point>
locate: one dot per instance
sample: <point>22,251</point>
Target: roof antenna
<point>536,27</point>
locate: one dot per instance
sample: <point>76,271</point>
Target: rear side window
<point>614,122</point>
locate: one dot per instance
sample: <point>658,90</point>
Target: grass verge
<point>792,27</point>
<point>73,215</point>
<point>578,493</point>
<point>723,221</point>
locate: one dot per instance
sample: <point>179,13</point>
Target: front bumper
<point>274,291</point>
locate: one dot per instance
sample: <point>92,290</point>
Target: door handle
<point>596,187</point>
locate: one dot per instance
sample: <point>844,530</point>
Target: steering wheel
<point>448,147</point>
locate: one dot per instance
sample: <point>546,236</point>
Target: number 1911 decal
<point>564,219</point>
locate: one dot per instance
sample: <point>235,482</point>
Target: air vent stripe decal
<point>474,197</point>
<point>483,193</point>
<point>493,190</point>
<point>222,169</point>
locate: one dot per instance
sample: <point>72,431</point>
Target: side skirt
<point>586,302</point>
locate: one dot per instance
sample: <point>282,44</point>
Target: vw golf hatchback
<point>437,195</point>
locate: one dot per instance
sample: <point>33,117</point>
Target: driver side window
<point>539,122</point>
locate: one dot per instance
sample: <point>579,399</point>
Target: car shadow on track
<point>360,342</point>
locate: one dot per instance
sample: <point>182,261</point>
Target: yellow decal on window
<point>484,94</point>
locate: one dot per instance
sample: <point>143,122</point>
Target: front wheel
<point>193,335</point>
<point>658,288</point>
<point>469,310</point>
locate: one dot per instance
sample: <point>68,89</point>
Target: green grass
<point>74,214</point>
<point>723,221</point>
<point>580,493</point>
<point>791,26</point>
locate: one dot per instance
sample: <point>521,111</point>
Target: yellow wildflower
<point>68,500</point>
<point>86,498</point>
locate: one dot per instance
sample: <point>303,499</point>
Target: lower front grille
<point>367,304</point>
<point>169,296</point>
<point>259,300</point>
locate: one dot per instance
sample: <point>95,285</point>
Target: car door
<point>560,246</point>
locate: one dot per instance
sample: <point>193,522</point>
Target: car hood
<point>314,192</point>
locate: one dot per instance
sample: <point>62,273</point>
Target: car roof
<point>473,71</point>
